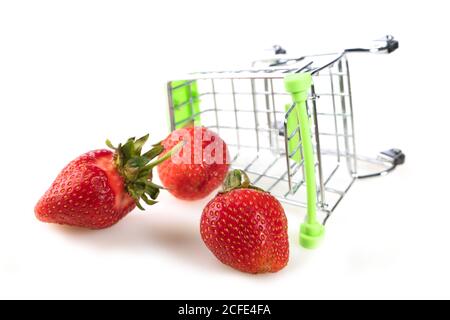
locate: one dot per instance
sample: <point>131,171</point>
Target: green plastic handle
<point>298,85</point>
<point>186,103</point>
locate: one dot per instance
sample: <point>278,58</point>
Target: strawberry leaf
<point>154,152</point>
<point>136,168</point>
<point>140,143</point>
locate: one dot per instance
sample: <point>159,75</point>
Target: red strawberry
<point>200,167</point>
<point>245,227</point>
<point>99,188</point>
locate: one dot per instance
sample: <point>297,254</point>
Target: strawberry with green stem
<point>100,187</point>
<point>246,227</point>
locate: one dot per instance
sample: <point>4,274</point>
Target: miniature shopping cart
<point>289,124</point>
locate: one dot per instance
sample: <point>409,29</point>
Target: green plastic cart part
<point>185,103</point>
<point>293,122</point>
<point>311,231</point>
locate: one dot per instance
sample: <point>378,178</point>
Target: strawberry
<point>199,168</point>
<point>246,227</point>
<point>100,187</point>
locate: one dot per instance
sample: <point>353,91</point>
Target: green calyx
<point>136,168</point>
<point>237,179</point>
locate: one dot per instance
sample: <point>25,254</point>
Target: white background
<point>73,73</point>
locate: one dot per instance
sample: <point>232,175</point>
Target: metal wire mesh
<point>251,111</point>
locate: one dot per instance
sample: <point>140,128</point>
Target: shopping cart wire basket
<point>289,124</point>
